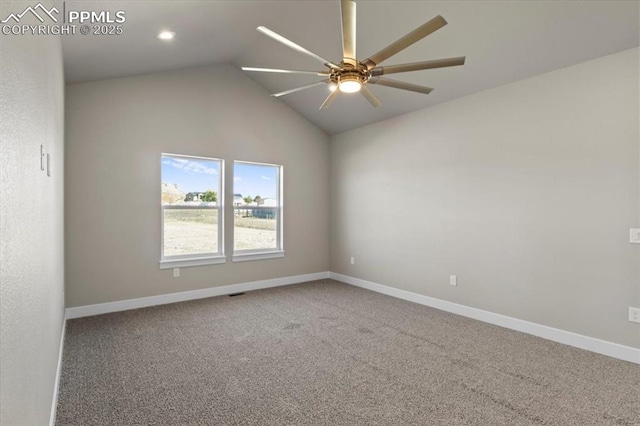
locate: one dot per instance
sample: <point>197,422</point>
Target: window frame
<point>194,259</point>
<point>262,253</point>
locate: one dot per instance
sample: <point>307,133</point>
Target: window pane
<point>256,206</point>
<point>255,185</point>
<point>189,180</point>
<point>190,231</point>
<point>255,229</point>
<point>193,183</point>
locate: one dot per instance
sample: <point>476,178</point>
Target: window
<point>192,211</point>
<point>257,211</point>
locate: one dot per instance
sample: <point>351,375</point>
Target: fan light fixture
<point>350,85</point>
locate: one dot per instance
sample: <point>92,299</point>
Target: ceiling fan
<point>351,75</point>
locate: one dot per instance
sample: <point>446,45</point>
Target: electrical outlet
<point>353,260</point>
<point>176,272</point>
<point>634,235</point>
<point>453,280</point>
<point>634,314</point>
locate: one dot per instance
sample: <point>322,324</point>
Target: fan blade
<point>297,89</point>
<point>400,85</point>
<point>416,35</point>
<point>332,97</point>
<point>370,96</point>
<point>417,66</point>
<point>348,12</point>
<point>285,71</point>
<point>277,37</point>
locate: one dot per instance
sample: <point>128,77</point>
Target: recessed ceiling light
<point>166,35</point>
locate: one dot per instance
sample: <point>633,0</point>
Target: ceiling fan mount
<point>352,75</point>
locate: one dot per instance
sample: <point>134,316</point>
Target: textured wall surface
<point>31,226</point>
<point>116,131</point>
<point>526,192</point>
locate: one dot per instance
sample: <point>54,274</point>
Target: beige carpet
<point>326,353</point>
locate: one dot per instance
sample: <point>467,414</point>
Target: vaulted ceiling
<point>504,41</point>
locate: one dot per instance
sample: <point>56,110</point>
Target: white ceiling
<point>503,41</point>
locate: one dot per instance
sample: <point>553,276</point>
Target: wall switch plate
<point>353,260</point>
<point>176,272</point>
<point>453,280</point>
<point>634,314</point>
<point>634,235</point>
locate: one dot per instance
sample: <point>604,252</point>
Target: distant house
<point>194,196</point>
<point>266,213</point>
<point>238,200</point>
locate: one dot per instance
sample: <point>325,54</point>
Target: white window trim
<point>194,261</point>
<point>248,255</point>
<point>261,254</point>
<point>167,262</point>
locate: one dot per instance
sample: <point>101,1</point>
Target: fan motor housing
<point>349,73</point>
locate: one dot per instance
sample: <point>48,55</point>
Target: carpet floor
<point>326,353</point>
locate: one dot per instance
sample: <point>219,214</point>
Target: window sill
<point>245,257</point>
<point>194,261</point>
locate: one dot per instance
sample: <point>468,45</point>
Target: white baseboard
<point>143,302</point>
<point>603,347</point>
<point>54,403</point>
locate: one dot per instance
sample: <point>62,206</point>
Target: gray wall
<point>116,132</point>
<point>526,192</point>
<point>31,226</point>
